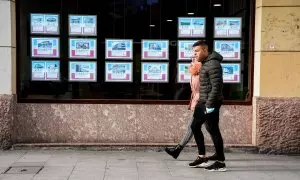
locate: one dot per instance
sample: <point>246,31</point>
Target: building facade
<point>261,107</point>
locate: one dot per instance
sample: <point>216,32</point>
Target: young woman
<point>195,84</point>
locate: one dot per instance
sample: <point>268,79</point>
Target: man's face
<point>200,53</point>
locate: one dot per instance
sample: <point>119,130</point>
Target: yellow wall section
<point>278,29</point>
<point>260,3</point>
<point>277,48</point>
<point>280,74</point>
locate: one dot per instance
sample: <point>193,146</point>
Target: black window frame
<point>247,101</point>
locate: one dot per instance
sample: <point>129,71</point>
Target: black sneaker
<point>199,162</point>
<point>217,166</point>
<point>174,151</point>
<point>215,157</point>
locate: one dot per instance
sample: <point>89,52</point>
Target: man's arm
<point>215,73</point>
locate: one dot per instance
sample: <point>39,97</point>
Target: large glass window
<point>72,49</point>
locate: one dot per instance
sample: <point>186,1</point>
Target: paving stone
<point>16,176</point>
<point>149,165</point>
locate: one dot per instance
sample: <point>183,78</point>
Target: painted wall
<point>276,107</point>
<point>277,48</point>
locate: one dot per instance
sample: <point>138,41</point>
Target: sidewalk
<point>141,165</point>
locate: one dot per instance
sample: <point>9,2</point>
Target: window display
<point>125,51</point>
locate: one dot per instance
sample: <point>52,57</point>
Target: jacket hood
<point>214,55</point>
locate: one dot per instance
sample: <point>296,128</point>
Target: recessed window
<point>128,50</point>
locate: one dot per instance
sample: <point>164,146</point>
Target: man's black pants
<point>211,121</point>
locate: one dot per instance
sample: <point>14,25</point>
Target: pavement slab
<point>142,165</point>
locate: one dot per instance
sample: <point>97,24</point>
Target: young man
<point>208,107</point>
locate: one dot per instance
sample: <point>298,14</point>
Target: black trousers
<point>211,121</point>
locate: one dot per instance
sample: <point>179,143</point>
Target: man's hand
<point>209,110</point>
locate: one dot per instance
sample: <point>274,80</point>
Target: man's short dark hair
<point>200,43</point>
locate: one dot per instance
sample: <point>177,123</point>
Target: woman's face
<point>194,59</point>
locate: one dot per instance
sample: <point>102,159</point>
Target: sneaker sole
<point>217,170</point>
<point>175,157</point>
<point>202,165</point>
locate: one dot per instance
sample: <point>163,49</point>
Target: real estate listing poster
<point>118,49</point>
<point>230,50</point>
<point>83,48</point>
<point>183,73</point>
<point>231,73</point>
<point>83,71</point>
<point>155,72</point>
<point>45,47</point>
<point>155,49</point>
<point>191,27</point>
<point>185,49</point>
<point>85,25</point>
<point>118,71</point>
<point>44,23</point>
<point>45,70</point>
<point>228,27</point>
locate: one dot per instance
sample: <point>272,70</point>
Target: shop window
<point>128,51</point>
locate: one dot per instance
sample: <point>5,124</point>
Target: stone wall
<point>278,125</point>
<point>126,124</point>
<point>7,111</point>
